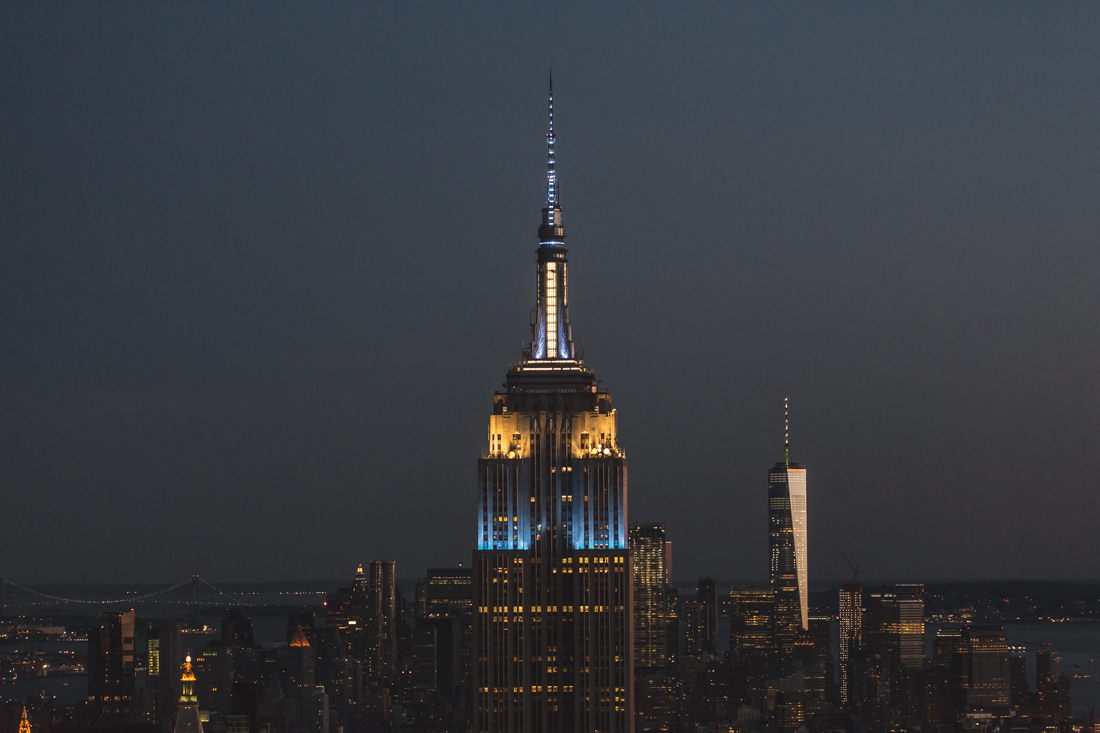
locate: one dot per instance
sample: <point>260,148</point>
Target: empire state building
<point>552,572</point>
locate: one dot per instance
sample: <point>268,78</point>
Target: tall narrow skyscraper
<point>647,550</point>
<point>708,615</point>
<point>910,625</point>
<point>787,545</point>
<point>553,627</point>
<point>382,619</point>
<point>111,668</point>
<point>851,634</point>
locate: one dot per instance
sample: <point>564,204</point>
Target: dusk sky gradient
<point>264,265</point>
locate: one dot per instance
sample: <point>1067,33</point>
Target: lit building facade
<point>851,634</point>
<point>980,667</point>
<point>187,715</point>
<point>752,611</point>
<point>910,624</point>
<point>647,549</point>
<point>787,546</point>
<point>552,575</point>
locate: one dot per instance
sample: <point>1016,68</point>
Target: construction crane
<point>855,568</point>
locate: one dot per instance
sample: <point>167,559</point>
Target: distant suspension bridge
<point>50,599</point>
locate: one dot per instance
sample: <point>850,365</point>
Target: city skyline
<point>260,264</point>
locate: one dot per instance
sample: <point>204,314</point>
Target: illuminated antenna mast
<point>786,434</point>
<point>551,175</point>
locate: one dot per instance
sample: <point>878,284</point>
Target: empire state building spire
<point>551,337</point>
<point>551,176</point>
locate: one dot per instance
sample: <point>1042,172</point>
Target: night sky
<point>265,264</point>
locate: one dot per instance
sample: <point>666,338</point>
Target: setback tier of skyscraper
<point>552,572</point>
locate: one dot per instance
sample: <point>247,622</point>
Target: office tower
<point>316,717</point>
<point>348,610</point>
<point>1046,682</point>
<point>444,596</point>
<point>163,677</point>
<point>691,626</point>
<point>213,668</point>
<point>647,549</point>
<point>935,701</point>
<point>446,656</point>
<point>882,624</point>
<point>423,658</point>
<point>401,612</point>
<point>554,648</point>
<point>787,545</point>
<point>821,636</point>
<point>336,670</point>
<point>301,670</point>
<point>305,621</point>
<point>244,716</point>
<point>445,592</point>
<point>672,606</point>
<point>187,713</point>
<point>910,600</point>
<point>237,631</point>
<point>708,610</point>
<point>381,636</point>
<point>752,608</point>
<point>1019,690</point>
<point>894,636</point>
<point>111,671</point>
<point>850,632</point>
<point>979,669</point>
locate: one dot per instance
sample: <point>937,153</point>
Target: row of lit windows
<point>601,560</point>
<point>548,609</point>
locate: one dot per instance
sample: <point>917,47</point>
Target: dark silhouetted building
<point>213,669</point>
<point>382,626</point>
<point>708,615</point>
<point>316,717</point>
<point>111,668</point>
<point>1047,683</point>
<point>690,647</point>
<point>1019,689</point>
<point>348,610</point>
<point>237,630</point>
<point>301,670</point>
<point>165,655</point>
